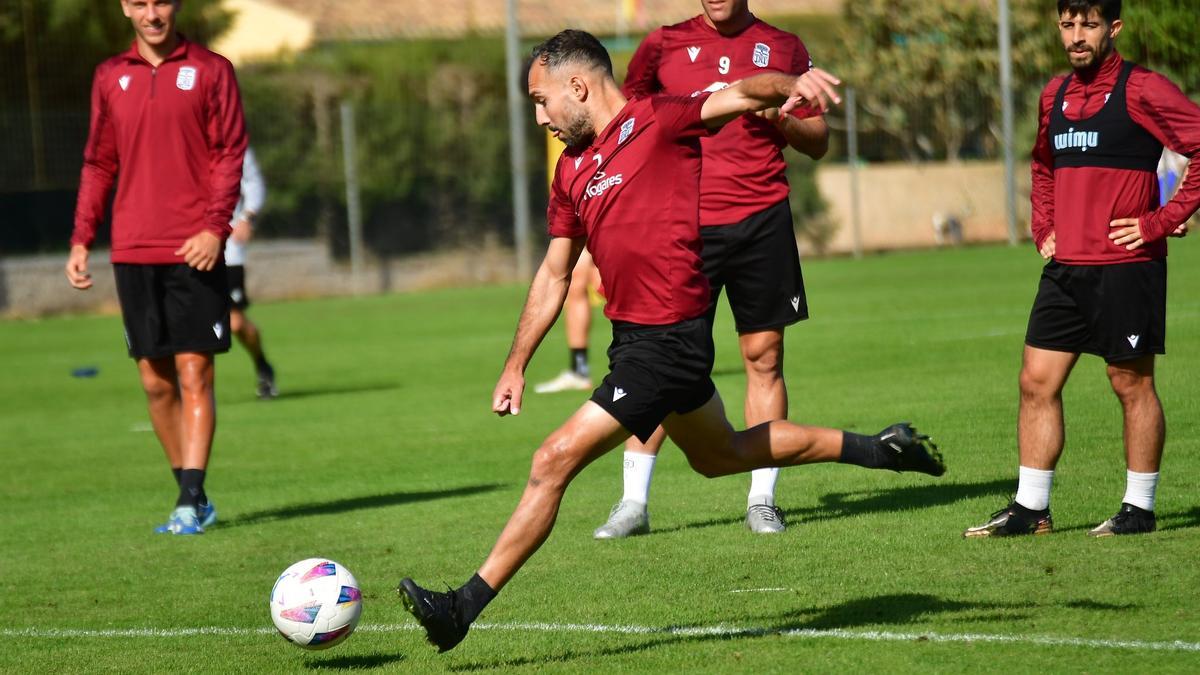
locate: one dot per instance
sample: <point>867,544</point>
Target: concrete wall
<point>276,270</point>
<point>898,205</point>
<point>898,202</point>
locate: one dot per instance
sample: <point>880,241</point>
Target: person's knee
<point>706,466</point>
<point>195,376</point>
<point>711,462</point>
<point>763,355</point>
<point>553,464</point>
<point>158,388</point>
<point>1037,385</point>
<point>1131,387</point>
<point>237,321</point>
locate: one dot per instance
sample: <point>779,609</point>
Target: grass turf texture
<point>381,453</point>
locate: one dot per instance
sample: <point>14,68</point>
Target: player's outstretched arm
<point>545,300</point>
<point>815,88</point>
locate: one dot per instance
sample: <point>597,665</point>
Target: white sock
<point>762,486</point>
<point>638,468</point>
<point>1139,489</point>
<point>1033,488</point>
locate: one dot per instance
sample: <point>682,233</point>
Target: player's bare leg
<point>159,381</point>
<point>251,338</point>
<point>713,448</point>
<point>1145,425</point>
<point>1145,431</point>
<point>1040,438</point>
<point>1040,429</point>
<point>198,407</point>
<point>588,434</point>
<point>766,400</point>
<point>194,375</point>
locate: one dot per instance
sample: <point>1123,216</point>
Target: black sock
<point>261,364</point>
<point>865,451</point>
<point>178,472</point>
<point>191,488</point>
<point>579,361</point>
<point>473,596</point>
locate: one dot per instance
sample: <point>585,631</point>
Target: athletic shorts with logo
<point>757,262</point>
<point>238,298</point>
<point>168,309</point>
<point>1117,312</point>
<point>655,371</point>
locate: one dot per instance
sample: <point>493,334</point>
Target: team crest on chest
<point>578,161</point>
<point>186,79</point>
<point>762,55</point>
<point>693,52</point>
<point>626,130</point>
<point>124,82</point>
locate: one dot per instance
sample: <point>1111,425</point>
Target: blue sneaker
<point>183,520</point>
<point>207,514</point>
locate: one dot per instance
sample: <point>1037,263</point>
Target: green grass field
<point>382,454</point>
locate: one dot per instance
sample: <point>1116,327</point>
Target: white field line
<point>697,631</point>
<point>761,590</point>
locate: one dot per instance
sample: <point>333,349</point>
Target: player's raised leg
<point>588,434</point>
<point>714,448</point>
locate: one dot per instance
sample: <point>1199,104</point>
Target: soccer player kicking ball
<point>1101,132</point>
<point>167,120</point>
<point>628,187</point>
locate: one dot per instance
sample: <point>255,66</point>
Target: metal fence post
<point>518,141</point>
<point>1006,107</point>
<point>852,165</point>
<point>353,205</point>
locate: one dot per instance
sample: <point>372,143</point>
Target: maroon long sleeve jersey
<point>743,171</point>
<point>1094,161</point>
<point>172,137</point>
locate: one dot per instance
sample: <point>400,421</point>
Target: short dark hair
<point>1110,10</point>
<point>573,46</point>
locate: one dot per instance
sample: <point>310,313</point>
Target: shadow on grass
<point>1180,520</point>
<point>355,504</point>
<point>355,662</point>
<point>1171,520</point>
<point>905,610</point>
<point>845,504</point>
<point>288,394</point>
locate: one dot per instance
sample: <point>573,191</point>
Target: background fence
<point>426,84</point>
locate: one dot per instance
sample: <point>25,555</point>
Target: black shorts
<point>238,298</point>
<point>168,309</point>
<point>655,371</point>
<point>1117,312</point>
<point>758,262</point>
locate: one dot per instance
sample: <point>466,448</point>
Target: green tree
<point>48,51</point>
<point>1164,35</point>
<point>927,71</point>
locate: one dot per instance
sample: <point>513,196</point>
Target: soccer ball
<point>316,603</point>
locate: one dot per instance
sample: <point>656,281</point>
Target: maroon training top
<point>743,170</point>
<point>635,194</point>
<point>1078,203</point>
<point>175,136</point>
